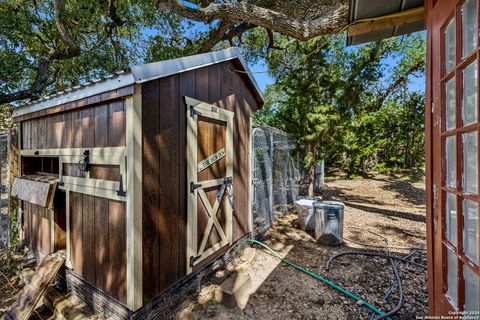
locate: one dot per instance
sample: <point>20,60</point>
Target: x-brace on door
<point>210,178</point>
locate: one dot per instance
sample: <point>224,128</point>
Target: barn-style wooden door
<point>455,89</point>
<point>209,174</point>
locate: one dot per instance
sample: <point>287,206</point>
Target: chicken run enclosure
<point>276,176</point>
<point>5,228</point>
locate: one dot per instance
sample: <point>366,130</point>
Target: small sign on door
<point>204,164</point>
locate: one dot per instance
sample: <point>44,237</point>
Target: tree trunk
<point>311,170</point>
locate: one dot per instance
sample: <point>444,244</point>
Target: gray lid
<point>329,205</point>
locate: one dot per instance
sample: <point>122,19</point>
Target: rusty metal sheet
<point>33,291</point>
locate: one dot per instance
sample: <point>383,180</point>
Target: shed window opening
<point>40,166</point>
<point>95,171</point>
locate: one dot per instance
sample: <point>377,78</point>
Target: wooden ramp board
<point>33,291</point>
<point>36,189</point>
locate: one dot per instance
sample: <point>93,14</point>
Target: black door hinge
<point>194,186</point>
<point>194,112</point>
<point>193,259</point>
<point>120,191</point>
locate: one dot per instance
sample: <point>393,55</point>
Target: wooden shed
<point>142,178</point>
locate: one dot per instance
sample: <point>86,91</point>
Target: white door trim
<point>195,191</point>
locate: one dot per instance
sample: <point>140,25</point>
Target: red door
<point>454,265</point>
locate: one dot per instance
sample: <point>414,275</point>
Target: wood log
<point>61,306</point>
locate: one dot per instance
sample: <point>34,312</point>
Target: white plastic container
<point>304,208</point>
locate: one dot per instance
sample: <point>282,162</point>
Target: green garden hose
<point>316,276</point>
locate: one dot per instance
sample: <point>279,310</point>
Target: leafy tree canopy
<point>342,104</point>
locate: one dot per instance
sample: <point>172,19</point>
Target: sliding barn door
<point>455,84</point>
<point>210,174</point>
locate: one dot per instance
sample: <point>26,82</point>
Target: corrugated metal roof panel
<point>137,74</point>
<point>375,8</point>
<point>364,9</point>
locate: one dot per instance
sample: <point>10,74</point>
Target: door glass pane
<point>469,103</point>
<point>470,231</point>
<point>450,159</point>
<point>451,218</point>
<point>450,104</point>
<point>472,290</point>
<point>470,162</point>
<point>452,277</point>
<point>469,26</point>
<point>450,45</point>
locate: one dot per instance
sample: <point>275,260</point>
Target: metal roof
<point>364,9</point>
<point>137,74</point>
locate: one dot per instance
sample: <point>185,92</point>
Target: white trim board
<point>134,174</point>
<point>196,251</point>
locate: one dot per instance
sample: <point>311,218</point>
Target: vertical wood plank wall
<point>98,225</point>
<point>164,164</point>
<point>97,126</point>
<point>36,227</point>
<point>98,233</point>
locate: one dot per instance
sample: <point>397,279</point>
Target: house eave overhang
<point>361,10</point>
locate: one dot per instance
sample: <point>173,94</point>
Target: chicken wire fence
<point>4,191</point>
<point>276,176</point>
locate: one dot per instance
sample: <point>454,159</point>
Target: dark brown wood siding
<point>36,227</point>
<point>164,164</point>
<point>82,103</point>
<point>98,233</point>
<point>98,225</point>
<point>97,126</point>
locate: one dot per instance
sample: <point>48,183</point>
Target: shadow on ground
<point>404,190</point>
<point>407,192</point>
<point>388,213</point>
<point>344,194</point>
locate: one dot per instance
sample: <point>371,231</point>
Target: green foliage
<point>108,41</point>
<point>5,117</point>
<point>28,31</point>
<point>340,105</point>
<point>175,39</point>
<point>13,223</point>
<point>391,137</point>
<point>109,38</point>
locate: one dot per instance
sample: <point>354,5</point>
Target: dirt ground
<point>392,206</point>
